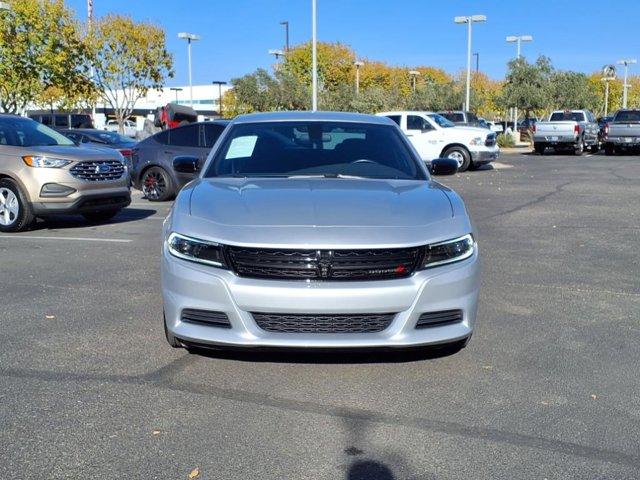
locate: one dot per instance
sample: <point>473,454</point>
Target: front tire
<point>608,149</point>
<point>15,210</point>
<point>579,148</point>
<point>101,216</point>
<point>539,148</point>
<point>460,155</point>
<point>157,185</point>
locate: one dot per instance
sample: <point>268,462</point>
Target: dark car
<point>602,123</point>
<point>152,159</point>
<point>102,138</point>
<point>526,125</point>
<point>460,117</point>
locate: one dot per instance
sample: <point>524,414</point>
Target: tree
<point>42,56</point>
<point>335,64</point>
<point>527,85</point>
<point>572,90</point>
<point>129,58</point>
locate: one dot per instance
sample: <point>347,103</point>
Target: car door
<point>182,141</point>
<point>423,135</point>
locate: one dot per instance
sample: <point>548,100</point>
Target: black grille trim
<point>205,317</point>
<point>334,265</point>
<point>89,170</point>
<point>491,140</point>
<point>323,323</point>
<point>438,319</point>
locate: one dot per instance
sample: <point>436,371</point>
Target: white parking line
<point>80,239</point>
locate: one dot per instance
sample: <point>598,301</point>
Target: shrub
<point>505,141</point>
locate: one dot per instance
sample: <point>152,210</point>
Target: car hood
<point>88,152</point>
<point>317,212</point>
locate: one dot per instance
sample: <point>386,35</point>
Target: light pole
<point>477,55</point>
<point>219,83</point>
<point>176,89</point>
<point>518,39</point>
<point>314,55</point>
<point>414,74</point>
<point>286,34</point>
<point>608,74</point>
<point>276,52</point>
<point>189,37</point>
<point>358,64</point>
<point>625,86</point>
<point>469,20</point>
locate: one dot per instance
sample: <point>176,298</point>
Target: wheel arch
<point>455,144</point>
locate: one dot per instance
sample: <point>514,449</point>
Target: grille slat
<point>438,319</point>
<point>323,323</point>
<point>205,317</point>
<point>365,264</point>
<point>98,170</point>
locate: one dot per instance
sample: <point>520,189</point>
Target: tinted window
<point>109,137</point>
<point>184,136</point>
<point>441,121</point>
<point>162,137</point>
<point>454,117</point>
<point>628,116</point>
<point>45,119</point>
<point>62,121</point>
<point>416,122</point>
<point>81,121</point>
<point>395,118</point>
<point>471,117</point>
<point>567,116</point>
<point>22,132</point>
<point>211,133</point>
<point>286,149</point>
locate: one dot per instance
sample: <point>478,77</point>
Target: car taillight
<point>606,129</point>
<point>576,129</point>
<point>126,152</point>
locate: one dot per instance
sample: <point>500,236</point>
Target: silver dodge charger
<point>317,230</point>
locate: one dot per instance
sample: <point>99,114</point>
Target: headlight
<point>449,251</point>
<point>477,141</point>
<point>45,162</point>
<point>195,250</point>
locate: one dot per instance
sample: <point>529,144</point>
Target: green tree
<point>129,58</point>
<point>262,92</point>
<point>42,56</point>
<point>572,90</point>
<point>527,85</point>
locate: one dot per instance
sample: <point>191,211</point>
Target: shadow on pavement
<point>78,221</point>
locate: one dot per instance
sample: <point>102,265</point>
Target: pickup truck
<point>433,136</point>
<point>129,127</point>
<point>623,132</point>
<point>572,130</point>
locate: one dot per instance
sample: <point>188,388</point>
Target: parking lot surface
<point>547,388</point>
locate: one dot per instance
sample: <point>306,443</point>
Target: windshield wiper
<point>326,175</point>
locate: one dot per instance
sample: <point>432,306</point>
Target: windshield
<point>564,116</point>
<point>313,148</point>
<point>440,120</point>
<point>109,137</point>
<point>454,117</point>
<point>24,132</point>
<point>628,116</point>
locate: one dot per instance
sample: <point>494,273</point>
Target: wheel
<point>608,149</point>
<point>15,210</point>
<point>594,148</point>
<point>579,148</point>
<point>156,184</point>
<point>460,155</point>
<point>539,148</point>
<point>171,340</point>
<point>101,216</point>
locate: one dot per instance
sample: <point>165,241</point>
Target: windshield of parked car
<point>454,117</point>
<point>440,120</point>
<point>629,116</point>
<point>567,116</point>
<point>24,132</point>
<point>109,138</point>
<point>315,148</point>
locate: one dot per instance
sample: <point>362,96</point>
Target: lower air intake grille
<point>205,317</point>
<point>438,319</point>
<point>332,323</point>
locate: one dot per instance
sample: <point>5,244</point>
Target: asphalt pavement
<point>547,388</point>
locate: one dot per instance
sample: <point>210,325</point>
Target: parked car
<point>173,115</point>
<point>460,117</point>
<point>602,123</point>
<point>59,119</point>
<point>152,158</point>
<point>103,138</point>
<point>317,230</point>
<point>569,130</point>
<point>43,173</point>
<point>433,136</point>
<point>526,125</point>
<point>623,132</point>
<point>130,128</point>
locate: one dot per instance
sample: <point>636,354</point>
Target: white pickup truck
<point>572,130</point>
<point>129,127</point>
<point>433,136</point>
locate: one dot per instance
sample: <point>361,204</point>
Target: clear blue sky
<point>236,34</point>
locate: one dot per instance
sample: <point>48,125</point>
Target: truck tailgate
<point>561,129</point>
<point>624,130</point>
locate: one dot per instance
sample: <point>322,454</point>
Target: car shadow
<point>78,221</point>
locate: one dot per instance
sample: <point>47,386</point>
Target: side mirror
<point>443,166</point>
<point>186,164</point>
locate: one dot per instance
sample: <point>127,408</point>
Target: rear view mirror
<point>186,164</point>
<point>443,166</point>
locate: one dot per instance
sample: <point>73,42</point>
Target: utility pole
<point>625,86</point>
<point>219,83</point>
<point>358,64</point>
<point>189,37</point>
<point>469,20</point>
<point>286,34</point>
<point>518,39</point>
<point>414,74</point>
<point>91,70</point>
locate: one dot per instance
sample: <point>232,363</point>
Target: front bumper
<point>187,285</point>
<point>485,155</point>
<point>110,200</point>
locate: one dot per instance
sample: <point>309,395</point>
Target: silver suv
<point>43,173</point>
<point>317,230</point>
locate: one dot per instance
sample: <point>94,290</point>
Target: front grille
<point>366,264</point>
<point>438,319</point>
<point>98,170</point>
<point>332,323</point>
<point>491,140</point>
<point>205,317</point>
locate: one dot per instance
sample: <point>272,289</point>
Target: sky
<point>236,34</point>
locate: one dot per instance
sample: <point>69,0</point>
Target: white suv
<point>433,136</point>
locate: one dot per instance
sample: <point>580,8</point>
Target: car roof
<point>312,116</point>
<point>407,112</point>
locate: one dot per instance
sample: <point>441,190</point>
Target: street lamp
<point>286,34</point>
<point>277,53</point>
<point>518,39</point>
<point>358,64</point>
<point>314,55</point>
<point>176,89</point>
<point>189,37</point>
<point>477,55</point>
<point>469,20</point>
<point>625,86</point>
<point>219,83</point>
<point>414,74</point>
